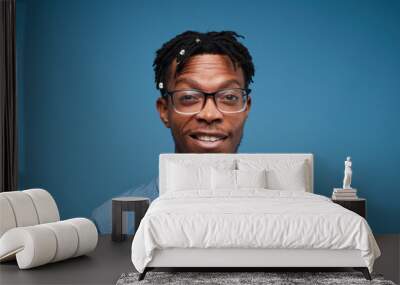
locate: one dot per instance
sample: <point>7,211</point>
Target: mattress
<point>250,219</point>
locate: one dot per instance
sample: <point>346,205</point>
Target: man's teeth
<point>209,139</point>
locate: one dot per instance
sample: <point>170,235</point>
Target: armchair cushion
<point>37,245</point>
<point>30,230</point>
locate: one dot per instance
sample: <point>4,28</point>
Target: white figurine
<point>347,173</point>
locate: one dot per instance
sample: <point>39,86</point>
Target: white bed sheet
<point>251,218</point>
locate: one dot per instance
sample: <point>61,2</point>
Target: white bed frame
<point>242,258</point>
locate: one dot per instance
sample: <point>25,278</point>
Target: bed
<point>247,210</point>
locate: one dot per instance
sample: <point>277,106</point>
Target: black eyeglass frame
<point>166,93</point>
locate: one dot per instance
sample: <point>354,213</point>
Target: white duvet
<point>250,219</point>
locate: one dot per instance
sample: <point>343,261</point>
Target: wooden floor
<point>110,260</point>
<point>389,262</point>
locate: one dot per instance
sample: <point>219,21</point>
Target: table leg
<point>117,222</point>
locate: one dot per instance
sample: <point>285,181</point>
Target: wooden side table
<point>138,205</point>
<point>358,206</point>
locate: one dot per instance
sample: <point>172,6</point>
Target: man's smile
<point>208,136</point>
<point>208,140</point>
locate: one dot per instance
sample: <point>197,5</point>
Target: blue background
<point>327,82</point>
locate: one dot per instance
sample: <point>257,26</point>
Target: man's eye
<point>188,99</point>
<point>230,98</point>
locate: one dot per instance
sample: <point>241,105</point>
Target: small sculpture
<point>347,173</point>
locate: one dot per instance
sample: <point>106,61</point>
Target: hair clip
<point>197,40</point>
<point>182,52</point>
<point>160,85</point>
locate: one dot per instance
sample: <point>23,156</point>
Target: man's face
<point>208,73</point>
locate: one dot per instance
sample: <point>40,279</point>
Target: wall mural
<point>94,113</point>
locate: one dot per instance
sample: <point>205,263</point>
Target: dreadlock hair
<point>191,43</point>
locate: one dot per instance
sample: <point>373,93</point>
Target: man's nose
<point>210,111</point>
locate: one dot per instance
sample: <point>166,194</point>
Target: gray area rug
<point>228,278</point>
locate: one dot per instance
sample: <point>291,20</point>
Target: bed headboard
<point>165,157</point>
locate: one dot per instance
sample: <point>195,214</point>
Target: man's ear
<point>248,107</point>
<point>162,108</point>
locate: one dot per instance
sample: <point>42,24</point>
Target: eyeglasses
<point>190,102</point>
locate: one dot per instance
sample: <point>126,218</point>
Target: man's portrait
<point>203,80</point>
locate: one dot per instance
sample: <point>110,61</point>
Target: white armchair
<point>31,230</point>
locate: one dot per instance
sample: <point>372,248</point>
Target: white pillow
<point>181,178</point>
<point>251,178</point>
<point>282,174</point>
<point>235,179</point>
<point>185,174</point>
<point>290,179</point>
<point>223,179</point>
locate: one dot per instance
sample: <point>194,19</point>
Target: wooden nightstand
<point>138,205</point>
<point>358,206</point>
